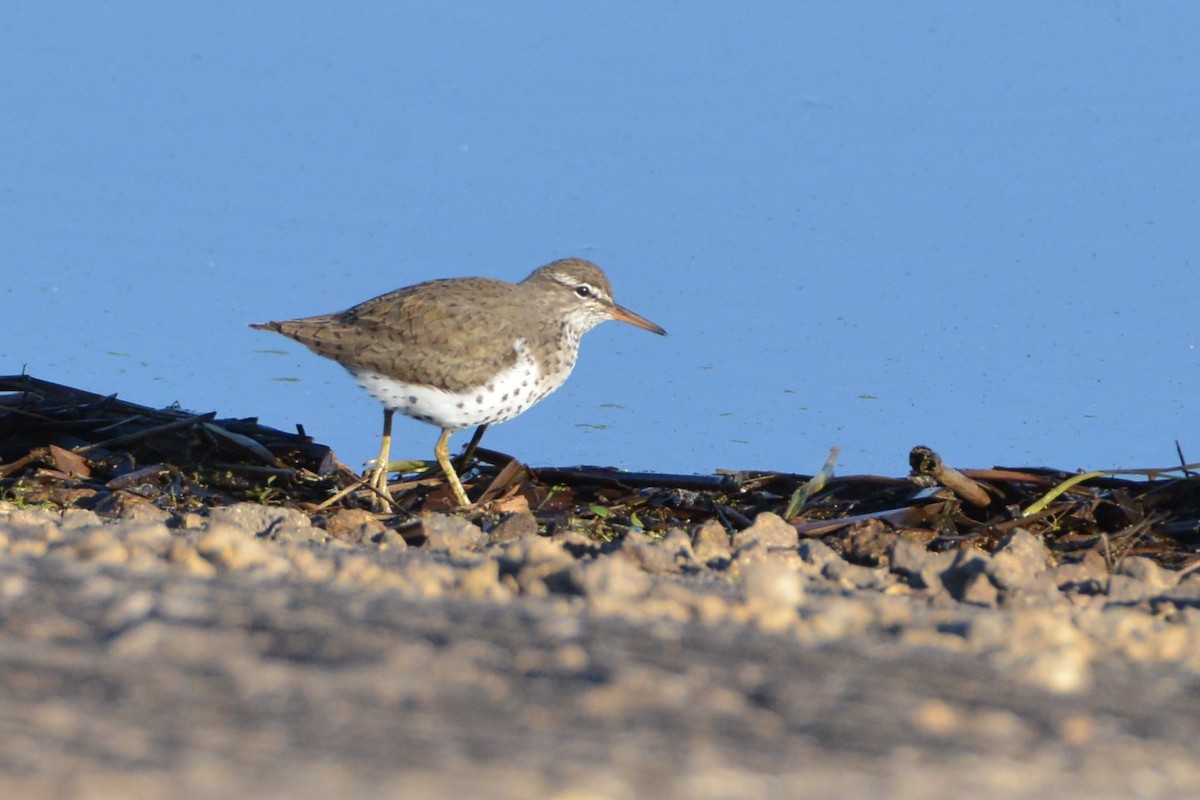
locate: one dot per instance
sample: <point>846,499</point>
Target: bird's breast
<point>499,398</point>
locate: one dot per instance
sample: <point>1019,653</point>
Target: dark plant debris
<point>66,447</point>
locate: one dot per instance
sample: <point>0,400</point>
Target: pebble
<point>772,592</point>
<point>1007,608</point>
<point>870,544</point>
<point>453,534</point>
<point>267,521</point>
<point>768,533</point>
<point>1186,593</point>
<point>817,553</point>
<point>710,545</point>
<point>921,567</point>
<point>513,526</point>
<point>653,555</point>
<point>230,547</point>
<point>616,577</point>
<point>1143,570</point>
<point>854,576</point>
<point>979,590</point>
<point>355,525</point>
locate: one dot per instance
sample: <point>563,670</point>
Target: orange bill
<point>625,315</point>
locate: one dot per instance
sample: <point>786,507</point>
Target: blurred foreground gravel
<point>249,653</point>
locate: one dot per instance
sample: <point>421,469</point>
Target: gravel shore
<point>249,652</point>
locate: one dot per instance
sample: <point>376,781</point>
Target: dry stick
<point>907,517</point>
<point>1191,566</point>
<point>148,432</point>
<point>255,469</point>
<point>633,480</point>
<point>1182,460</point>
<point>507,475</point>
<point>1050,496</point>
<point>359,483</point>
<point>244,443</point>
<point>925,461</point>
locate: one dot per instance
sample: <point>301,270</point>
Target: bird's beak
<point>625,315</point>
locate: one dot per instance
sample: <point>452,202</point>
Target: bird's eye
<point>583,291</point>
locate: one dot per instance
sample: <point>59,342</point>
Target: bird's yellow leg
<point>378,477</point>
<point>464,460</point>
<point>442,452</point>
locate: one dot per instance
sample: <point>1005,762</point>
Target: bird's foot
<point>377,482</point>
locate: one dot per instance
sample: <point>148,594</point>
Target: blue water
<point>870,225</point>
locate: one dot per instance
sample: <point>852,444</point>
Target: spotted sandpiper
<point>464,352</point>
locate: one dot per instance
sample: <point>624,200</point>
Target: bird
<point>464,352</point>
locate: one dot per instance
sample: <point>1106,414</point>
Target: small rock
<point>869,544</point>
<point>649,553</point>
<point>978,590</point>
<point>483,580</point>
<point>129,610</point>
<point>1148,572</point>
<point>537,565</point>
<point>1125,590</point>
<point>306,565</point>
<point>513,526</point>
<point>231,547</point>
<point>80,518</point>
<point>155,536</point>
<point>817,553</point>
<point>839,618</point>
<point>28,547</point>
<point>188,521</point>
<point>576,543</point>
<point>1046,647</point>
<point>769,584</point>
<point>363,571</point>
<point>1137,579</point>
<point>710,543</point>
<point>1026,548</point>
<point>1020,588</point>
<point>531,551</point>
<point>185,555</point>
<point>144,512</point>
<point>454,534</point>
<point>1186,593</point>
<point>919,566</point>
<point>614,577</point>
<point>101,547</point>
<point>1019,562</point>
<point>679,545</point>
<point>1060,670</point>
<point>270,522</point>
<point>391,540</point>
<point>32,517</point>
<point>855,576</point>
<point>119,504</point>
<point>1087,574</point>
<point>22,526</point>
<point>968,562</point>
<point>354,525</point>
<point>768,531</point>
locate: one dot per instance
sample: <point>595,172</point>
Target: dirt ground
<point>248,653</point>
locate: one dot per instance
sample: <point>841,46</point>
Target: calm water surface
<point>870,225</point>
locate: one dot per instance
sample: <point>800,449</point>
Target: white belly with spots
<point>502,398</point>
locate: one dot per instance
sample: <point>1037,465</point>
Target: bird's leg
<point>377,480</point>
<point>442,451</point>
<point>464,460</point>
